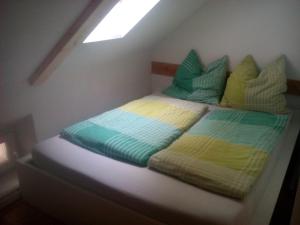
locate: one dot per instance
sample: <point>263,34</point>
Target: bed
<point>81,187</point>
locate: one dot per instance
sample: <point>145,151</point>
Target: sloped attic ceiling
<point>161,21</point>
<point>164,18</point>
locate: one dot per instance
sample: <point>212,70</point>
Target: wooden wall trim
<point>76,33</point>
<point>293,87</point>
<point>166,69</point>
<point>169,69</point>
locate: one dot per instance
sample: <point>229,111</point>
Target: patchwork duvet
<point>137,130</point>
<point>224,152</point>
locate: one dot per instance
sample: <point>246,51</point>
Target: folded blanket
<point>224,152</point>
<point>137,130</point>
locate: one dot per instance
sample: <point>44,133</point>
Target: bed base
<point>72,204</point>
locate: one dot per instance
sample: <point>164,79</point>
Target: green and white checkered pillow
<point>207,87</point>
<point>189,69</point>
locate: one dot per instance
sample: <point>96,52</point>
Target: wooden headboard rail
<point>169,69</point>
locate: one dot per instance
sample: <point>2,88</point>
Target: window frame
<point>9,141</point>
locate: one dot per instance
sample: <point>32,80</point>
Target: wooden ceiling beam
<point>94,12</point>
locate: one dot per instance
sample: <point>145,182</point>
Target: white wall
<point>263,28</point>
<point>94,78</point>
<point>84,85</point>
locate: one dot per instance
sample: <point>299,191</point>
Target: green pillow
<point>189,69</point>
<point>259,92</point>
<point>176,92</point>
<point>207,87</point>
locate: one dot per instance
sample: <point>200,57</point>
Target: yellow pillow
<point>234,94</point>
<point>250,90</point>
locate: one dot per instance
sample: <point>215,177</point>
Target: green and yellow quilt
<point>224,152</point>
<point>137,130</point>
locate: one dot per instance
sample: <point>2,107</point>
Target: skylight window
<point>121,19</point>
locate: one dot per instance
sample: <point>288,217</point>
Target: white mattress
<point>127,184</point>
<point>149,192</point>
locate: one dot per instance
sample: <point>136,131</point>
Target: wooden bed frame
<point>74,205</point>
